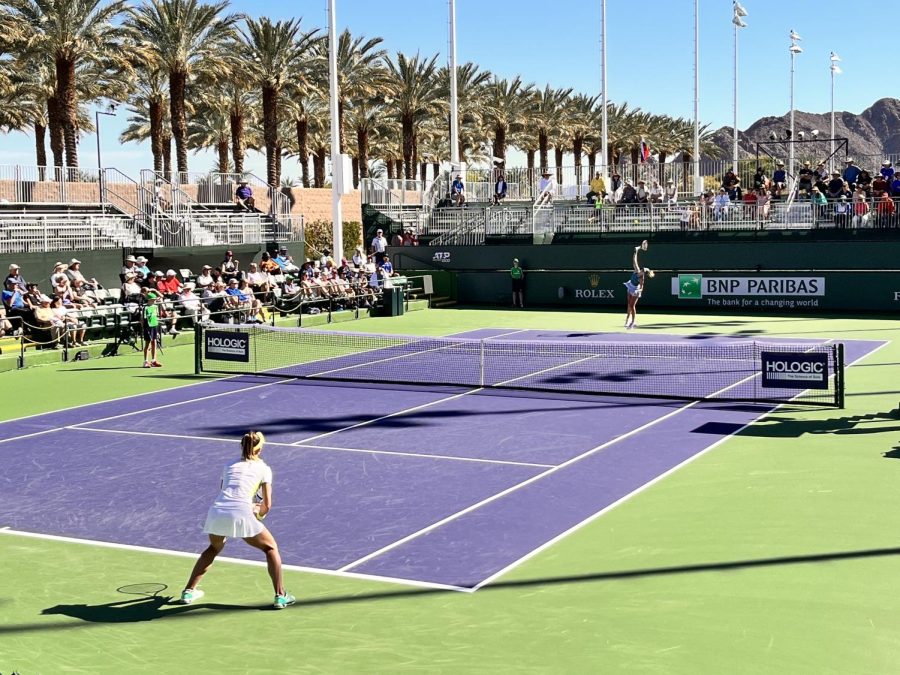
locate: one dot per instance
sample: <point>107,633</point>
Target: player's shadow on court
<point>138,609</point>
<point>787,427</point>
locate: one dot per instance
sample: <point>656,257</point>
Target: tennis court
<point>397,478</point>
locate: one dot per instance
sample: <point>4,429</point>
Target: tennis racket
<point>257,502</point>
<point>147,590</point>
<point>644,245</point>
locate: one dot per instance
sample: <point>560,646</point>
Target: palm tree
<point>72,33</point>
<point>185,36</point>
<point>580,116</point>
<point>416,94</point>
<point>210,127</point>
<point>470,93</point>
<point>505,107</point>
<point>271,53</point>
<point>365,117</point>
<point>547,111</point>
<point>360,70</point>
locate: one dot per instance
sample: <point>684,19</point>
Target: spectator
<point>851,172</point>
<point>267,265</point>
<point>141,267</point>
<point>230,267</point>
<point>721,204</point>
<point>458,191</point>
<point>397,239</point>
<point>887,170</point>
<point>191,305</point>
<point>759,179</point>
<point>170,286</point>
<point>205,278</point>
<point>819,203</point>
<point>6,327</point>
<point>729,180</point>
<point>215,299</point>
<point>656,193</point>
<point>379,243</point>
<point>546,188</point>
<point>445,202</point>
<point>74,274</point>
<point>880,184</point>
<point>131,290</point>
<point>835,186</point>
<point>62,291</point>
<point>779,180</point>
<point>842,212</point>
<point>735,193</point>
<point>864,180</point>
<point>615,187</point>
<point>70,326</point>
<point>895,186</point>
<point>884,211</point>
<point>44,320</point>
<point>285,261</point>
<point>16,275</point>
<point>243,197</point>
<point>80,296</point>
<point>500,189</point>
<point>388,268</point>
<point>33,295</point>
<point>58,275</point>
<point>236,299</point>
<point>256,313</point>
<point>749,201</point>
<point>861,210</point>
<point>358,258</point>
<point>598,189</point>
<point>129,266</point>
<point>805,180</point>
<point>15,303</point>
<point>643,195</point>
<point>763,204</point>
<point>159,196</point>
<point>258,280</point>
<point>821,173</point>
<point>671,194</point>
<point>629,194</point>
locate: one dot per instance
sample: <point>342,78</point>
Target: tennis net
<point>733,370</point>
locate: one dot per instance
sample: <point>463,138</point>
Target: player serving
<point>234,514</point>
<point>635,285</point>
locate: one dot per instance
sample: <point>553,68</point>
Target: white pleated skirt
<point>232,522</point>
<point>632,289</point>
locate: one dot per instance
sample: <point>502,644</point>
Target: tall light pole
<point>337,163</point>
<point>454,103</point>
<point>111,111</point>
<point>738,22</point>
<point>698,187</point>
<point>835,70</point>
<point>794,50</point>
<point>604,131</point>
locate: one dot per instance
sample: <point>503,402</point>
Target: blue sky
<point>650,55</point>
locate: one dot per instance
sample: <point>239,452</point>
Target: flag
<point>644,151</point>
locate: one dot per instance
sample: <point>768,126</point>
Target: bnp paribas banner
<point>769,292</point>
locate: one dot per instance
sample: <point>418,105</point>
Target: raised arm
<point>634,260</point>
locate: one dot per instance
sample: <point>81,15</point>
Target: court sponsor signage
<point>765,292</point>
<point>227,346</point>
<point>785,370</point>
<point>441,257</point>
<point>594,292</point>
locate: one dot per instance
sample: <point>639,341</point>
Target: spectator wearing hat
<point>80,294</point>
<point>58,276</point>
<point>15,302</point>
<point>546,188</point>
<point>629,194</point>
<point>243,197</point>
<point>285,261</point>
<point>851,172</point>
<point>205,279</point>
<point>47,327</point>
<point>779,180</point>
<point>74,273</point>
<point>15,273</point>
<point>835,187</point>
<point>597,189</point>
<point>236,299</point>
<point>517,274</point>
<point>458,191</point>
<point>170,286</point>
<point>670,196</point>
<point>887,170</point>
<point>191,304</point>
<point>150,319</point>
<point>880,184</point>
<point>842,211</point>
<point>141,267</point>
<point>131,289</point>
<point>230,267</point>
<point>129,266</point>
<point>615,187</point>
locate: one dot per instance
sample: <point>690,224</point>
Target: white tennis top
<point>240,481</point>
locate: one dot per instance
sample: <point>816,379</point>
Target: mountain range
<point>872,134</point>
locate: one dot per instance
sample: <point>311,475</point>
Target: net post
<point>481,363</point>
<point>839,374</point>
<point>198,341</point>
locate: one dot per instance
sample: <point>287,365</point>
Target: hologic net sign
<point>227,346</point>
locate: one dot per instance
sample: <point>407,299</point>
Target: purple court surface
<point>430,485</point>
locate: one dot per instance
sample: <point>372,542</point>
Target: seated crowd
<point>223,293</point>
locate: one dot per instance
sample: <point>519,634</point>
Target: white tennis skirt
<point>236,523</point>
<point>632,289</point>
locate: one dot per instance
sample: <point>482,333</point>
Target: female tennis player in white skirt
<point>635,286</point>
<point>234,514</point>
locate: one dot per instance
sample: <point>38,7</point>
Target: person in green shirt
<point>150,324</point>
<point>518,283</point>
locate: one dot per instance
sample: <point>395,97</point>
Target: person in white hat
<point>74,273</point>
<point>15,274</point>
<point>141,267</point>
<point>458,191</point>
<point>546,188</point>
<point>887,170</point>
<point>129,266</point>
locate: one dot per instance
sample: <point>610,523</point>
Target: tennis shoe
<point>282,601</point>
<point>156,364</point>
<point>188,595</point>
<point>146,364</point>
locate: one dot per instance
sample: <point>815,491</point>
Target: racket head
<point>645,245</point>
<point>150,590</point>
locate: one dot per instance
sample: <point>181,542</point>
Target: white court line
<point>531,480</point>
<point>238,561</point>
<point>398,453</point>
<point>624,498</point>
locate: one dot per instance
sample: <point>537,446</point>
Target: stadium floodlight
<point>739,9</point>
<point>796,49</point>
<point>794,36</point>
<point>835,70</point>
<point>773,136</point>
<point>738,22</point>
<point>814,133</point>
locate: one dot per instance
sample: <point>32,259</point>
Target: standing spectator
<point>841,212</point>
<point>884,211</point>
<point>230,267</point>
<point>546,188</point>
<point>598,189</point>
<point>15,274</point>
<point>670,196</point>
<point>243,197</point>
<point>517,274</point>
<point>458,191</point>
<point>851,172</point>
<point>500,189</point>
<point>74,274</point>
<point>887,170</point>
<point>895,186</point>
<point>721,204</point>
<point>763,204</point>
<point>379,243</point>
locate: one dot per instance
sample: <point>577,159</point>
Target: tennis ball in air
<point>635,221</point>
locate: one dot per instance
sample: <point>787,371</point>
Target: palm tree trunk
<point>56,135</point>
<point>222,150</point>
<point>423,172</point>
<point>592,163</point>
<point>40,133</point>
<point>319,167</point>
<point>390,169</point>
<point>341,123</point>
<point>303,149</point>
<point>558,160</point>
<point>577,150</point>
<point>270,132</point>
<point>167,156</point>
<point>686,169</point>
<point>543,145</point>
<point>354,161</point>
<point>436,169</point>
<point>156,133</point>
<point>236,120</point>
<point>362,151</point>
<point>409,143</point>
<point>68,100</point>
<point>398,168</point>
<point>177,82</point>
<point>529,162</point>
<point>662,166</point>
<point>500,142</point>
<point>277,165</point>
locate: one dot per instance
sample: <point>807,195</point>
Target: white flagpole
<point>835,70</point>
<point>698,188</point>
<point>454,109</point>
<point>604,160</point>
<point>337,165</point>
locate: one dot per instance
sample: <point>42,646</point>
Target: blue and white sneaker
<point>188,595</point>
<point>282,601</point>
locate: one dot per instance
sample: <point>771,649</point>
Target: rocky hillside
<point>874,132</point>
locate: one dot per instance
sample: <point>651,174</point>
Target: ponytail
<point>252,444</point>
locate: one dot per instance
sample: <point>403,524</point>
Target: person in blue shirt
<point>458,191</point>
<point>779,179</point>
<point>887,170</point>
<point>243,196</point>
<point>15,303</point>
<point>635,286</point>
<point>388,268</point>
<point>895,186</point>
<point>851,173</point>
